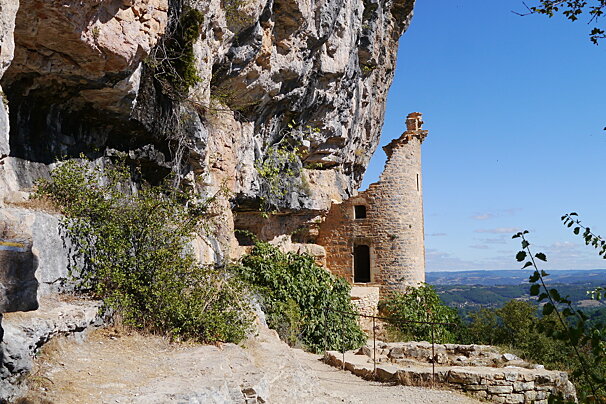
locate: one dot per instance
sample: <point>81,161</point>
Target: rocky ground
<point>117,366</point>
<point>25,333</point>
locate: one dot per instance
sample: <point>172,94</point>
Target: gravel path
<point>116,366</point>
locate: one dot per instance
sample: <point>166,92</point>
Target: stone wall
<point>393,227</point>
<point>366,299</point>
<point>479,370</point>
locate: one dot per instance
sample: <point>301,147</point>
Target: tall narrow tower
<point>399,200</point>
<point>377,237</point>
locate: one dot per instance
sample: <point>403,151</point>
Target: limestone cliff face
<point>8,10</point>
<point>95,77</point>
<point>279,102</point>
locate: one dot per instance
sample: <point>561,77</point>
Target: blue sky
<point>515,112</point>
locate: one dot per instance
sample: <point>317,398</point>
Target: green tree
<point>483,328</point>
<point>406,312</point>
<point>521,328</point>
<point>518,322</point>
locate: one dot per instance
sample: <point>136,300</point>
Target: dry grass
<point>42,203</point>
<point>26,400</point>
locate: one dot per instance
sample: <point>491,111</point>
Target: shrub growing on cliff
<point>173,60</point>
<point>419,304</point>
<point>280,175</point>
<point>295,292</point>
<point>131,250</point>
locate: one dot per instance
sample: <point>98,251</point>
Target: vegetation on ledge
<point>131,249</point>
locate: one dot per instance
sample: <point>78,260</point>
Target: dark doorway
<point>361,264</point>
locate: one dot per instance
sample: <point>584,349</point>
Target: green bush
<point>280,174</point>
<point>419,304</point>
<point>517,326</point>
<point>132,250</point>
<point>295,293</point>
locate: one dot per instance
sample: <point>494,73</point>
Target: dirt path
<point>119,367</point>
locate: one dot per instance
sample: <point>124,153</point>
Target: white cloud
<point>499,230</point>
<point>570,255</point>
<point>483,216</point>
<point>499,213</point>
<point>499,240</point>
<point>444,261</point>
<point>564,245</point>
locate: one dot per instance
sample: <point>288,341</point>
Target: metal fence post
<point>374,348</point>
<point>343,340</point>
<point>433,358</point>
<point>374,337</point>
<point>325,330</point>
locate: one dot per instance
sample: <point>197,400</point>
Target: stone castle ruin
<point>373,239</point>
<point>376,238</point>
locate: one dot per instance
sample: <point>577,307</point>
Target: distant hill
<point>472,290</point>
<point>512,277</point>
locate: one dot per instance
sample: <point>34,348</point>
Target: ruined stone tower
<point>377,237</point>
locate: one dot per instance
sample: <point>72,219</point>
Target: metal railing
<point>374,338</point>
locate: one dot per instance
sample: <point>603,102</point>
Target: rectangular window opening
<point>360,212</point>
<point>361,264</point>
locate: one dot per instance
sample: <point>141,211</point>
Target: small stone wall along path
<point>479,370</point>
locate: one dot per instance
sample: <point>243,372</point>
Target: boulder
<point>18,264</point>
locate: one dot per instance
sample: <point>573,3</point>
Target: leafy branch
<point>571,219</point>
<point>571,9</point>
<point>574,322</point>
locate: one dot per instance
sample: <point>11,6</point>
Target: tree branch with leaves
<point>572,10</point>
<point>587,342</point>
